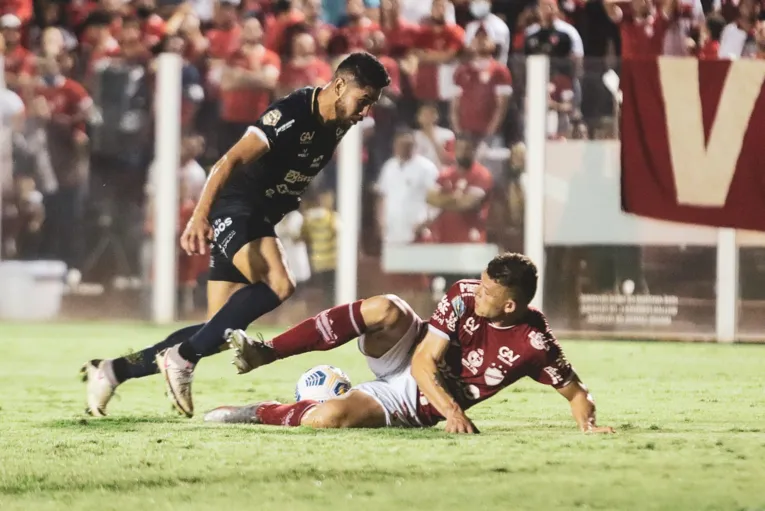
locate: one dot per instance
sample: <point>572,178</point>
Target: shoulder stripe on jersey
<point>259,132</point>
<point>438,332</point>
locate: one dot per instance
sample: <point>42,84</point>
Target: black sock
<point>138,365</point>
<point>244,307</point>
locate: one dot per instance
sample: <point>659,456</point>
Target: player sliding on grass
<point>258,181</point>
<point>482,337</point>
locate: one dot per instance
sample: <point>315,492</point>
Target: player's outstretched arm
<point>198,232</point>
<point>429,353</point>
<point>582,407</point>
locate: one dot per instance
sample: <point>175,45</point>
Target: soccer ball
<point>321,383</point>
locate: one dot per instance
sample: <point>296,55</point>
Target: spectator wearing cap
<point>21,9</point>
<point>303,68</point>
<point>492,25</point>
<point>738,37</point>
<point>484,87</point>
<point>249,78</point>
<point>19,62</point>
<point>643,26</point>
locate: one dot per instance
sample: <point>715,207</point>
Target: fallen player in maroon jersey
<point>482,337</point>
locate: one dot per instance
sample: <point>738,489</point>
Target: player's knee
<point>282,284</point>
<point>382,311</point>
<point>328,415</point>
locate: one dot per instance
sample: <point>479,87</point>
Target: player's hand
<point>457,422</point>
<point>196,235</point>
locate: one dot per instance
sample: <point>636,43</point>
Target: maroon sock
<point>328,329</point>
<point>277,414</point>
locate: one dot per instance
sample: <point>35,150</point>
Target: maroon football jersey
<point>482,358</point>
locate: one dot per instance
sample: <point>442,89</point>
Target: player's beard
<point>342,113</point>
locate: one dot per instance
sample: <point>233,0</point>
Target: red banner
<point>693,141</point>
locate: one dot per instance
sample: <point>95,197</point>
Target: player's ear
<point>510,306</point>
<point>340,85</point>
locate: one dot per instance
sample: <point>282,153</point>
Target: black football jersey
<point>301,144</point>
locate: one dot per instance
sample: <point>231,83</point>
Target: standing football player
<point>258,181</point>
<point>482,337</point>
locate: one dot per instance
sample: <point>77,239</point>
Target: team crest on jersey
<point>473,361</point>
<point>537,340</point>
<point>458,306</point>
<point>272,117</point>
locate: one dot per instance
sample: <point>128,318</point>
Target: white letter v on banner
<point>703,173</point>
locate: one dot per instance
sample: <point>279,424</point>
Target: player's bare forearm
<point>582,407</point>
<point>425,372</point>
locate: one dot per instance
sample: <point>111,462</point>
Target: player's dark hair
<point>715,25</point>
<point>516,272</point>
<point>364,69</point>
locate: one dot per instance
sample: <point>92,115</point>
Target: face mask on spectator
<point>49,79</point>
<point>465,161</point>
<point>480,9</point>
<point>143,12</point>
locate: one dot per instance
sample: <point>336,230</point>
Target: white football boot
<point>249,353</point>
<point>101,384</point>
<point>178,374</point>
<point>237,414</point>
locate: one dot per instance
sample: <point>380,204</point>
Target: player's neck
<point>511,319</point>
<point>326,106</point>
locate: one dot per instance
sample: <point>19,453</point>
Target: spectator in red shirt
<point>320,30</point>
<point>462,193</point>
<point>249,78</point>
<point>710,37</point>
<point>277,34</point>
<point>759,37</point>
<point>19,62</point>
<point>438,43</point>
<point>303,68</point>
<point>643,26</point>
<point>70,108</point>
<point>484,90</point>
<point>357,28</point>
<point>399,33</point>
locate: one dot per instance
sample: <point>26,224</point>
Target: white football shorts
<point>395,389</point>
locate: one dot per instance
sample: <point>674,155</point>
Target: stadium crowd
<point>443,149</point>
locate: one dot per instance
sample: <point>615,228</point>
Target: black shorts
<point>230,233</point>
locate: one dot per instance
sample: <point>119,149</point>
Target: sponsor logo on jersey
<point>220,225</point>
<point>471,326</point>
<point>468,289</point>
<point>339,132</point>
<point>458,305</point>
<point>270,192</point>
<point>293,176</point>
<point>316,163</point>
<point>493,376</point>
<point>271,117</point>
<point>473,361</point>
<point>554,375</point>
<point>285,127</point>
<point>507,355</point>
<point>303,153</point>
<point>537,341</point>
<point>307,137</point>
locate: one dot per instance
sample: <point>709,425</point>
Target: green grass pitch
<point>690,421</point>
